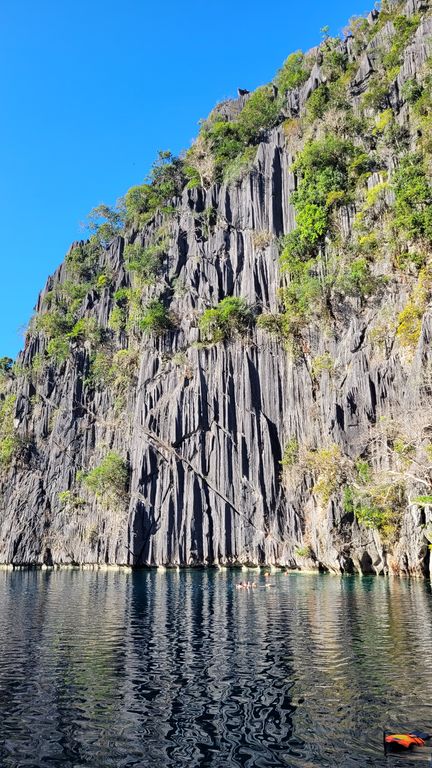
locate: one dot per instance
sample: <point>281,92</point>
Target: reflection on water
<point>181,669</point>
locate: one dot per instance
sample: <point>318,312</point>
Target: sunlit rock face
<point>203,428</point>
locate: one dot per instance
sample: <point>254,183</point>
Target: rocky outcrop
<point>203,428</point>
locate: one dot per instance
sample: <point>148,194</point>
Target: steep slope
<point>145,423</point>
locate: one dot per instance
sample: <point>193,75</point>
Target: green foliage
<point>301,298</point>
<point>312,222</point>
<point>155,318</point>
<point>140,205</point>
<point>166,176</point>
<point>100,370</point>
<point>109,480</point>
<point>9,440</point>
<point>318,103</point>
<point>223,143</point>
<point>303,551</point>
<point>82,260</point>
<point>412,91</point>
<point>355,279</point>
<point>348,500</point>
<point>117,372</point>
<point>146,262</point>
<point>223,149</point>
<point>405,29</point>
<point>335,60</point>
<point>364,471</point>
<point>375,502</point>
<point>118,318</point>
<point>166,181</point>
<point>325,166</point>
<point>359,29</point>
<point>322,363</point>
<point>276,324</point>
<point>57,351</point>
<point>291,453</point>
<point>70,500</point>
<point>413,207</point>
<point>54,324</point>
<point>410,319</point>
<point>382,121</point>
<point>238,168</point>
<point>380,506</point>
<point>86,330</point>
<point>422,500</point>
<point>328,170</point>
<point>376,195</point>
<point>327,464</point>
<point>405,450</point>
<point>259,114</point>
<point>105,223</point>
<point>410,324</point>
<point>377,95</point>
<point>231,317</point>
<point>294,72</point>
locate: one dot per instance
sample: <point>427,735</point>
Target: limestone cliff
<point>202,428</point>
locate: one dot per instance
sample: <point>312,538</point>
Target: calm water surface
<point>181,669</point>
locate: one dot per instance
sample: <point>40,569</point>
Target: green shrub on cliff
<point>405,28</point>
<point>82,260</point>
<point>231,317</point>
<point>259,114</point>
<point>105,223</point>
<point>54,324</point>
<point>57,351</point>
<point>413,206</point>
<point>9,440</point>
<point>327,464</point>
<point>378,506</point>
<point>410,319</point>
<point>412,91</point>
<point>291,453</point>
<point>294,72</point>
<point>166,181</point>
<point>109,478</point>
<point>86,330</point>
<point>326,172</point>
<point>146,262</point>
<point>318,103</point>
<point>155,318</point>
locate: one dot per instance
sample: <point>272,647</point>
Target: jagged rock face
<point>204,428</point>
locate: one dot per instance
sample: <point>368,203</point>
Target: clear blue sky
<point>91,89</point>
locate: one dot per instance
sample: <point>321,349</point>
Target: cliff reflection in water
<point>181,669</point>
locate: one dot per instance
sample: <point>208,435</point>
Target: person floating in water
<point>250,585</point>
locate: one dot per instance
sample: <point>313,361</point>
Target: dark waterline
<point>181,669</point>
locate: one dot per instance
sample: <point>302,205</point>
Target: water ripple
<point>118,670</point>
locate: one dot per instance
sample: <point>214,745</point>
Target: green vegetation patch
<point>231,317</point>
<point>109,479</point>
<point>156,318</point>
<point>9,440</point>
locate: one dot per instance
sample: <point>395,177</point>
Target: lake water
<point>109,669</point>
